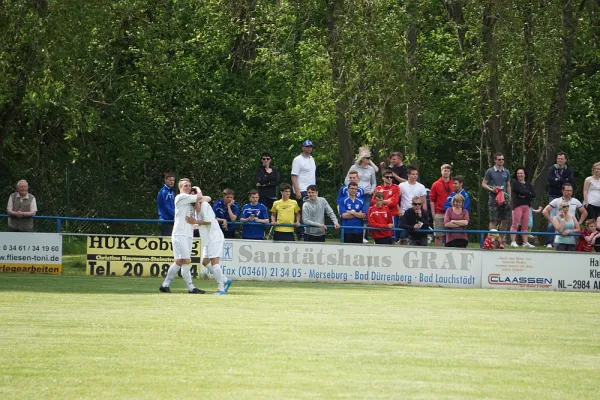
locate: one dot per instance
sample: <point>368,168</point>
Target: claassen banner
<point>31,253</point>
<point>541,270</point>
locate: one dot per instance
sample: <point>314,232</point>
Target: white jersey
<point>408,191</point>
<point>184,207</point>
<point>209,233</point>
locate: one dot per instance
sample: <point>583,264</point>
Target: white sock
<point>216,270</point>
<point>225,278</point>
<point>187,276</point>
<point>171,274</point>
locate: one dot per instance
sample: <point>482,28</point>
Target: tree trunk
<point>490,106</point>
<point>528,117</point>
<point>412,88</point>
<point>558,100</point>
<point>338,77</point>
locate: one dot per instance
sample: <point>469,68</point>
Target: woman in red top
<point>456,218</point>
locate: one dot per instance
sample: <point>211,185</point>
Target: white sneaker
<point>528,245</point>
<point>365,241</point>
<point>549,246</point>
<point>514,244</point>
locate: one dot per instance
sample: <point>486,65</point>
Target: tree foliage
<point>98,99</point>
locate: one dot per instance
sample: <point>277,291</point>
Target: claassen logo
<point>497,279</point>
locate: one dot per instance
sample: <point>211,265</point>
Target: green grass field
<point>74,336</point>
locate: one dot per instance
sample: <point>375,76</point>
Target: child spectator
<point>588,237</point>
<point>379,216</point>
<point>491,241</point>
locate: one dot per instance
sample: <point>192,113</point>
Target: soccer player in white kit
<point>212,244</point>
<point>183,233</point>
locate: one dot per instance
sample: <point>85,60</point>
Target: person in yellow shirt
<point>285,211</point>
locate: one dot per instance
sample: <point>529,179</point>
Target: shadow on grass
<point>137,286</point>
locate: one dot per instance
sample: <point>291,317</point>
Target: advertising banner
<point>334,262</point>
<point>292,261</point>
<point>541,270</point>
<point>134,256</point>
<point>31,253</point>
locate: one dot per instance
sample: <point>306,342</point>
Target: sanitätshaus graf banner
<point>30,253</point>
<point>134,256</point>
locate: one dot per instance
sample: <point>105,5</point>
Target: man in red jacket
<point>391,197</point>
<point>440,190</point>
<point>379,216</point>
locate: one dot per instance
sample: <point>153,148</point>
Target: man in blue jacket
<point>165,202</point>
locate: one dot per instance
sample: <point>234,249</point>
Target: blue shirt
<point>254,231</point>
<point>357,205</point>
<point>220,210</point>
<point>343,193</point>
<point>466,206</point>
<point>165,202</point>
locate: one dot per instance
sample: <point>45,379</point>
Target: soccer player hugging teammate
<point>212,244</point>
<point>183,233</point>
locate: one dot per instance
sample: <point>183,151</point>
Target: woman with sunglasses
<point>267,180</point>
<point>522,195</point>
<point>457,218</point>
<point>564,223</point>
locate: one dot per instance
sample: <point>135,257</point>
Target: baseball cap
<point>307,143</point>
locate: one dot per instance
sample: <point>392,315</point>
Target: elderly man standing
<point>21,208</point>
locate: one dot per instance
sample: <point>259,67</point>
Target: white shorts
<point>213,250</point>
<point>182,247</point>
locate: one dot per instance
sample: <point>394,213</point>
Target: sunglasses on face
<point>266,158</point>
<point>417,204</point>
<point>387,177</point>
<point>565,207</point>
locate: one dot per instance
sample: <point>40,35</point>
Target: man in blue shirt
<point>457,184</point>
<point>254,212</point>
<point>353,211</point>
<point>165,202</point>
<point>226,210</point>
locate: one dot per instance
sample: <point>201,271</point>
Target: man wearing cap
<point>304,174</point>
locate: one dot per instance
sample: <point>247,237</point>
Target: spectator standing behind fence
<point>497,179</point>
<point>552,209</point>
<point>267,179</point>
<point>457,184</point>
<point>416,218</point>
<point>399,170</point>
<point>379,216</point>
<point>522,195</point>
<point>558,175</point>
<point>21,207</point>
<point>391,198</point>
<point>439,193</point>
<point>254,212</point>
<point>343,193</point>
<point>353,211</point>
<point>304,173</point>
<point>285,211</point>
<point>564,223</point>
<point>313,215</point>
<point>410,190</point>
<point>367,177</point>
<point>588,237</point>
<point>165,202</point>
<point>457,217</point>
<point>591,193</point>
<point>226,210</point>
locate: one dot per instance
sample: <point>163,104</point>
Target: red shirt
<point>391,193</point>
<point>440,191</point>
<point>582,244</point>
<point>379,217</point>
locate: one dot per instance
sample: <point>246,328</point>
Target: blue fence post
<point>481,239</point>
<point>58,225</point>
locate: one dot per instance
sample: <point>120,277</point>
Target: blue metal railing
<point>479,232</point>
